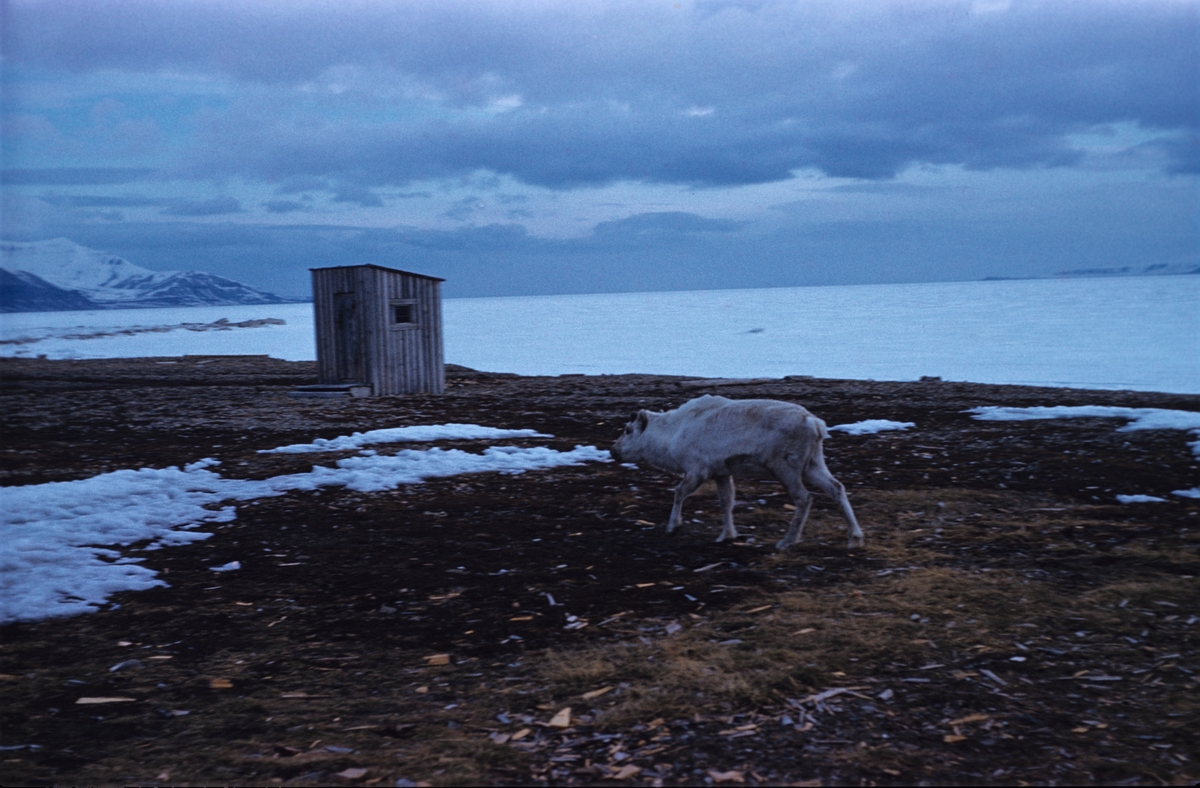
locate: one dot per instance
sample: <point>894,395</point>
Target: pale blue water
<point>1138,333</point>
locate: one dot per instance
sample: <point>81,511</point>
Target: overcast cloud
<point>581,146</point>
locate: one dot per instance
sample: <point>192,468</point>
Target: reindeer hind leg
<point>818,475</point>
<point>790,478</point>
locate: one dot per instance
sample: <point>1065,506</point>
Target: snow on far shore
<point>52,559</point>
<point>434,432</point>
<point>871,426</point>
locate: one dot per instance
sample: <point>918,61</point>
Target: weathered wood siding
<point>358,338</point>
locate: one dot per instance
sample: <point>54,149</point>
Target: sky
<point>525,147</point>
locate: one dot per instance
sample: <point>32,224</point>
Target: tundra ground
<point>1007,622</point>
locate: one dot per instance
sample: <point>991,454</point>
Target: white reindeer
<point>716,438</point>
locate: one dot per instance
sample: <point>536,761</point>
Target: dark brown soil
<point>1007,622</point>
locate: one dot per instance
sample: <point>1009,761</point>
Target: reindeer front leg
<point>689,485</point>
<point>725,496</point>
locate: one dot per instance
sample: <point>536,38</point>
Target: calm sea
<point>1114,333</point>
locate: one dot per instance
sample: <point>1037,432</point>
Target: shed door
<point>348,349</point>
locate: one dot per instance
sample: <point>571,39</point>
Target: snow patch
<point>411,466</point>
<point>433,432</point>
<point>1138,418</point>
<point>52,559</point>
<point>1140,499</point>
<point>50,564</point>
<point>872,425</point>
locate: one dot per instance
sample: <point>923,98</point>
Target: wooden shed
<point>379,328</point>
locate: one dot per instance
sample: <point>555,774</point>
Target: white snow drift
<point>434,432</point>
<point>871,426</point>
<point>52,559</point>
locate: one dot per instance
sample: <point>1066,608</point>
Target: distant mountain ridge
<point>61,275</point>
<point>1154,269</point>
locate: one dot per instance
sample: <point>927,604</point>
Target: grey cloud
<point>72,176</point>
<point>1182,152</point>
<point>649,230</point>
<point>105,216</point>
<point>564,148</point>
<point>100,201</point>
<point>213,207</point>
<point>463,209</point>
<point>489,238</point>
<point>880,187</point>
<point>663,223</point>
<point>935,240</point>
<point>284,206</point>
<point>710,7</point>
<point>356,193</point>
<point>299,184</point>
<point>613,92</point>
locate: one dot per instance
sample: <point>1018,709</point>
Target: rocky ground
<point>1008,621</point>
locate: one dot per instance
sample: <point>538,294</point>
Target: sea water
<point>1139,333</point>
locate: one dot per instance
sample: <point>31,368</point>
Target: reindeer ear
<point>642,419</point>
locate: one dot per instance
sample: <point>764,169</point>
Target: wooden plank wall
<point>412,358</point>
<point>327,282</point>
<point>398,359</point>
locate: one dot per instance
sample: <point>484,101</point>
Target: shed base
<point>332,390</point>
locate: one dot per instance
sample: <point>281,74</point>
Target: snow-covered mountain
<point>60,275</point>
<point>21,291</point>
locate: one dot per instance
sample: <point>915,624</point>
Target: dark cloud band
<point>72,176</point>
<point>576,94</point>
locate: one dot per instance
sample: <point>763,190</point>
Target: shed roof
<point>381,268</point>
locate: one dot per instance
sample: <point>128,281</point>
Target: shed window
<point>404,313</point>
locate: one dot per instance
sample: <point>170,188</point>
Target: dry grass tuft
<point>674,676</point>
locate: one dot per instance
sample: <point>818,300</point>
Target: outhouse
<point>378,329</point>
